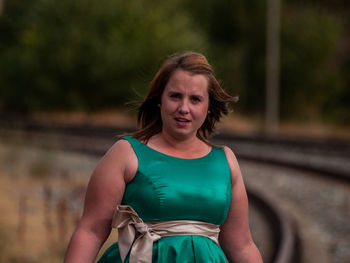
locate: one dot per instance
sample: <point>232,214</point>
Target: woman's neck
<point>186,147</point>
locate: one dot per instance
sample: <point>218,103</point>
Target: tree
<point>85,54</point>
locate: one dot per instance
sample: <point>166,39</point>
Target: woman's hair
<point>149,117</point>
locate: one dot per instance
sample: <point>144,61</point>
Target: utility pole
<point>272,66</point>
<point>1,6</point>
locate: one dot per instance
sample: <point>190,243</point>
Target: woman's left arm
<point>235,237</point>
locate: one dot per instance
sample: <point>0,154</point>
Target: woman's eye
<point>196,99</point>
<point>175,95</point>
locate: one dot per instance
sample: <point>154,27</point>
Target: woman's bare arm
<point>235,237</point>
<point>105,191</point>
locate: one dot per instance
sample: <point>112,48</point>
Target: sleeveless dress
<point>170,188</point>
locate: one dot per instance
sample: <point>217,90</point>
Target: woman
<point>172,195</point>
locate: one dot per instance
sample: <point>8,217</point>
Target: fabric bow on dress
<point>137,236</point>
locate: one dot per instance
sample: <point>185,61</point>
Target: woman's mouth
<point>182,121</point>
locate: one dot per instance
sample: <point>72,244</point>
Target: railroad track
<point>286,248</point>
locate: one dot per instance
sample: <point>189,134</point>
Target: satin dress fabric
<point>171,188</point>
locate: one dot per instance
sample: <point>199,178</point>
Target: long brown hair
<point>149,118</point>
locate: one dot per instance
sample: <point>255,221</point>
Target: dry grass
<point>233,123</point>
<point>312,129</point>
<point>116,117</point>
<point>41,198</point>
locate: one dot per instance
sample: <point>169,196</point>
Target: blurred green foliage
<point>310,72</point>
<point>88,55</point>
<point>84,54</point>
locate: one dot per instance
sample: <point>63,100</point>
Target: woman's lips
<point>182,122</point>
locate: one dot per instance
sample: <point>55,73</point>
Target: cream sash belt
<point>137,235</point>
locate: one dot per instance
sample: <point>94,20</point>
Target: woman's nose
<point>184,107</point>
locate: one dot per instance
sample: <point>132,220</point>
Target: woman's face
<point>184,104</point>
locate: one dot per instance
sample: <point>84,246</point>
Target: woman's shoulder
<point>120,157</point>
<point>121,146</point>
<point>231,157</point>
<point>228,151</point>
<point>232,161</point>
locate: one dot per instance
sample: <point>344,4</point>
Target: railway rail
<point>329,157</point>
<point>287,247</point>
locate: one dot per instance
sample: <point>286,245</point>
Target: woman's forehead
<point>181,79</point>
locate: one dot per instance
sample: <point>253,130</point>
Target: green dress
<point>171,188</point>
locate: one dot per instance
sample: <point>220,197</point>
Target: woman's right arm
<point>105,191</point>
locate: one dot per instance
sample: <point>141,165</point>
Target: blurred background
<point>81,61</point>
<point>88,56</point>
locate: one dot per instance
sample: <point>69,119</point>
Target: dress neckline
<point>174,157</point>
